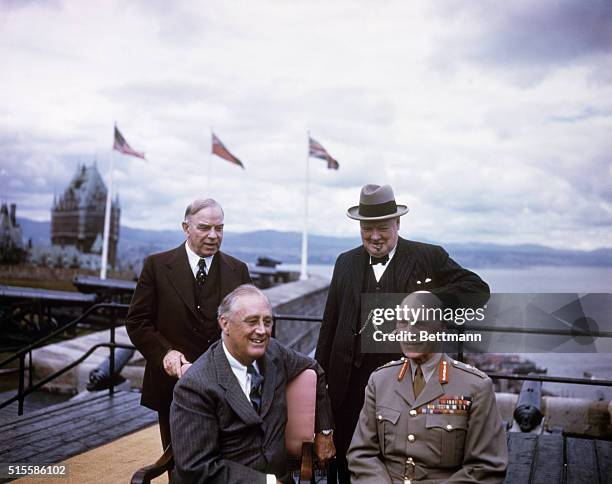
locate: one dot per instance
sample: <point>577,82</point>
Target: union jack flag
<point>123,147</point>
<point>316,150</point>
<point>221,151</point>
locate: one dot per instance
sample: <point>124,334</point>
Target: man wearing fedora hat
<point>385,263</point>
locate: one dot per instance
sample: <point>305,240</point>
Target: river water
<point>543,279</point>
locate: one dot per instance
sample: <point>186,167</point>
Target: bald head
<point>200,204</point>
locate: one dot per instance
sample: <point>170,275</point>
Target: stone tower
<point>77,217</point>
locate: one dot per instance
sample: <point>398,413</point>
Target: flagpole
<point>304,267</point>
<point>107,218</point>
<point>210,155</point>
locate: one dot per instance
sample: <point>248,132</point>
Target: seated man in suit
<point>427,418</point>
<point>229,411</point>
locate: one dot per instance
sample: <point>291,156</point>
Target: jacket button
<point>380,417</point>
<point>411,438</point>
<point>449,427</point>
<point>413,412</point>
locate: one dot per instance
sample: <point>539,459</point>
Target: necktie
<point>419,381</point>
<point>256,382</point>
<point>379,260</point>
<point>201,274</point>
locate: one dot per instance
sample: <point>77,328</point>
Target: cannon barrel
<point>528,413</point>
<point>100,378</point>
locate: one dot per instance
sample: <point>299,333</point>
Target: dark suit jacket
<point>163,316</point>
<point>217,437</point>
<point>415,261</point>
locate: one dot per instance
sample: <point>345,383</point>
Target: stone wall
<point>300,298</point>
<point>51,277</point>
<point>305,298</point>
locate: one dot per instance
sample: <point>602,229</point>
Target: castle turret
<point>11,242</point>
<point>77,216</point>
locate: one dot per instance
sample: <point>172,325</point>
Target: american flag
<point>221,151</point>
<point>316,150</point>
<point>123,147</point>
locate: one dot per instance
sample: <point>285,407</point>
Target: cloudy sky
<point>491,120</point>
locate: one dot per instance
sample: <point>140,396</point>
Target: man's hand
<point>324,447</point>
<point>173,361</point>
<point>184,368</point>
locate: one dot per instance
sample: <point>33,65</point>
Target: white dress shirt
<point>379,269</point>
<point>244,380</point>
<point>194,260</point>
<point>240,370</point>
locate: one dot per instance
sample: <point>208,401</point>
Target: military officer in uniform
<point>428,418</point>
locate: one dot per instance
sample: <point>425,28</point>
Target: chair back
<point>301,393</point>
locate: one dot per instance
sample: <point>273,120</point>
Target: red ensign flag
<point>221,151</point>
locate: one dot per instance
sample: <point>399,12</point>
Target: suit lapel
<point>270,371</point>
<point>227,274</point>
<point>234,395</point>
<point>404,264</point>
<point>433,389</point>
<point>356,268</point>
<point>404,388</point>
<point>181,278</point>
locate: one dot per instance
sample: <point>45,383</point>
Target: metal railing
<point>112,345</point>
<point>504,329</point>
<point>293,317</point>
<point>20,355</point>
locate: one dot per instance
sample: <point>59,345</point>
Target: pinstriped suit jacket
<point>414,261</point>
<point>217,437</point>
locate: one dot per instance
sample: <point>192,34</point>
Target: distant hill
<point>39,232</point>
<point>135,244</point>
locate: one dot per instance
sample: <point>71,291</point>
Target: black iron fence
<point>119,311</point>
<point>114,308</point>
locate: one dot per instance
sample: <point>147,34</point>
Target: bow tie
<point>379,260</point>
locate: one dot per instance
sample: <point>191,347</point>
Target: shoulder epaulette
<point>391,363</point>
<point>468,368</point>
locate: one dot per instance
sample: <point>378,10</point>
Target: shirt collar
<point>194,259</point>
<point>234,363</point>
<point>428,368</point>
<point>391,254</point>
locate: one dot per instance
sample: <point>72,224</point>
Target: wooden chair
<point>301,395</point>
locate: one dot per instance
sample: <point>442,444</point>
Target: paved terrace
<point>105,439</point>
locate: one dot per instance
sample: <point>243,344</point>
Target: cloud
<point>525,40</point>
<point>490,120</point>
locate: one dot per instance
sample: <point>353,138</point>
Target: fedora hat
<point>376,203</point>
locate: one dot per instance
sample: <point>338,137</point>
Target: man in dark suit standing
<point>385,263</point>
<point>229,410</point>
<point>172,319</point>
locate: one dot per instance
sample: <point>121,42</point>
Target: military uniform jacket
<point>163,315</point>
<point>452,432</point>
